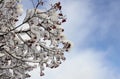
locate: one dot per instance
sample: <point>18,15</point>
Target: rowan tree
<point>42,44</point>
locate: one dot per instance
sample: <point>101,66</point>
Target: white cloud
<point>85,25</point>
<point>87,65</point>
<point>76,28</point>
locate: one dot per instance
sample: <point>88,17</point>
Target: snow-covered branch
<point>43,43</point>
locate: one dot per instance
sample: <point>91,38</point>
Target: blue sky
<point>94,27</point>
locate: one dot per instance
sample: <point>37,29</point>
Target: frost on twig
<point>44,47</point>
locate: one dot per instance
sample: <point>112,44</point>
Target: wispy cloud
<point>90,64</point>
